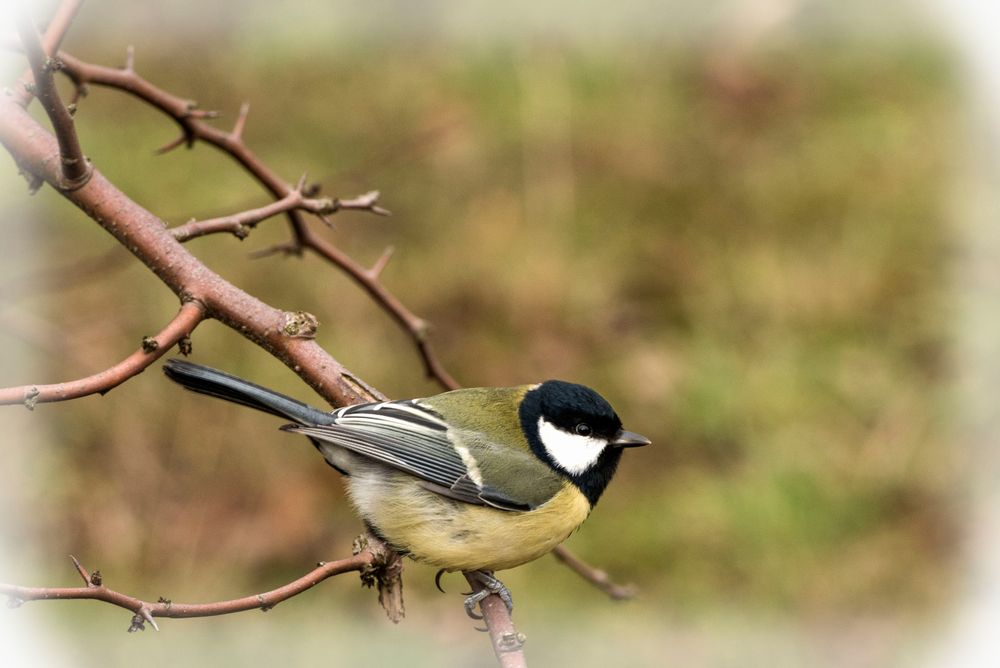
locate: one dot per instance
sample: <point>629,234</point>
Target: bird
<point>476,480</point>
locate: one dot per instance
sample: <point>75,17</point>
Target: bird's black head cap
<point>574,409</point>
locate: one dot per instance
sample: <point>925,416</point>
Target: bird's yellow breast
<point>459,536</point>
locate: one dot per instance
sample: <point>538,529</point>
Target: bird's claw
<point>491,585</point>
<point>470,605</point>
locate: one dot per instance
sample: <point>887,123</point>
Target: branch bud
<point>300,325</point>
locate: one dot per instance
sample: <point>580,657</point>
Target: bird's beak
<point>628,439</point>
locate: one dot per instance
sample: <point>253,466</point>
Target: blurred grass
<point>755,275</point>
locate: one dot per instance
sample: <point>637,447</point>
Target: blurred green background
<point>734,224</point>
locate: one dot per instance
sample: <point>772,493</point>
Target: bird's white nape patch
<point>571,452</point>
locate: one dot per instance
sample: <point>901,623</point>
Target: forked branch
<point>240,224</point>
<point>205,294</point>
<point>145,236</point>
<point>53,37</point>
<point>194,128</point>
<point>75,169</point>
<point>188,116</point>
<point>191,119</point>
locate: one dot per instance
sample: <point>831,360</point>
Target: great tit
<point>475,480</point>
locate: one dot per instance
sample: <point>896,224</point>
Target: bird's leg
<point>491,585</point>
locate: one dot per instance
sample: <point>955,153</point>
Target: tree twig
<point>75,170</point>
<point>193,127</point>
<point>277,331</point>
<point>367,278</point>
<point>53,37</point>
<point>152,348</point>
<point>594,576</point>
<point>289,336</point>
<point>190,119</point>
<point>367,561</point>
<point>507,642</point>
<point>240,224</point>
<point>366,202</point>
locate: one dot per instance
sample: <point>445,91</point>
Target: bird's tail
<point>215,383</point>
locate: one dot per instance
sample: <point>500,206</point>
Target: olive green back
<point>487,422</point>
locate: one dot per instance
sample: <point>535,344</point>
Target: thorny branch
<point>152,348</point>
<point>75,170</point>
<point>289,336</point>
<point>187,115</point>
<point>206,294</point>
<point>376,563</point>
<point>240,224</point>
<point>368,279</point>
<point>145,236</point>
<point>194,128</point>
<point>203,295</point>
<point>54,34</point>
<point>190,118</point>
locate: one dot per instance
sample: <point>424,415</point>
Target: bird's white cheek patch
<point>572,452</point>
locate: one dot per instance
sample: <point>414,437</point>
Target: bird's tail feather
<point>213,382</point>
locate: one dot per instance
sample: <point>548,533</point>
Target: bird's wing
<point>410,438</point>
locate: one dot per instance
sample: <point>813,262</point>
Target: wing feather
<point>410,438</point>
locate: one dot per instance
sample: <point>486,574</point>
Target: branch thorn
<point>174,143</point>
<point>81,570</point>
<point>241,122</point>
<point>149,618</point>
<point>300,185</point>
<point>381,262</point>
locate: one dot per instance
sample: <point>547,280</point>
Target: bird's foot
<point>491,585</point>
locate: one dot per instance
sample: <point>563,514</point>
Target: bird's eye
<point>583,429</point>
